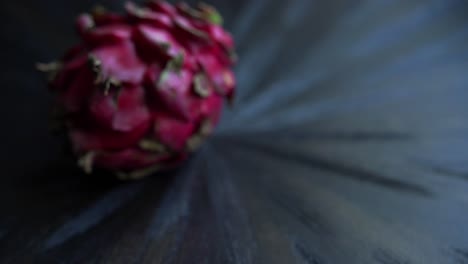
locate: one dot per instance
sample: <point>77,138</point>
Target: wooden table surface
<point>348,143</point>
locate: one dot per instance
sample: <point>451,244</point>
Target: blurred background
<point>348,143</point>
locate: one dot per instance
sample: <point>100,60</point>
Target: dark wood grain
<point>348,144</point>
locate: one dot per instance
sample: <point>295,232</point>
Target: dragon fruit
<point>144,89</point>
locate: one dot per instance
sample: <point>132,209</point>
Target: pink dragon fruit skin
<point>143,89</point>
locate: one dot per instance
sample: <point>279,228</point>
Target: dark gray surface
<point>348,144</point>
